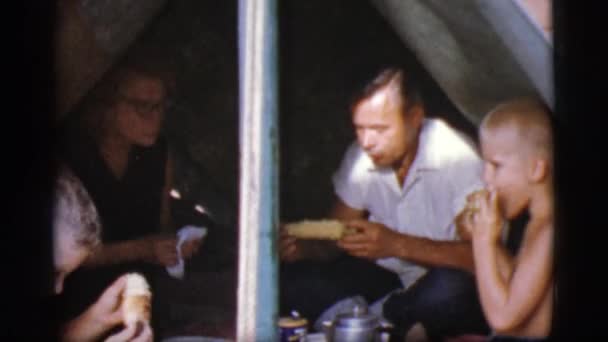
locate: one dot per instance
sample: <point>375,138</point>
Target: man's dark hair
<point>406,80</point>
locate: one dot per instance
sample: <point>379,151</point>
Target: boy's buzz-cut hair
<point>530,117</point>
<point>74,211</point>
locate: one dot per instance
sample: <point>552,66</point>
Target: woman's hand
<point>160,249</point>
<point>190,247</point>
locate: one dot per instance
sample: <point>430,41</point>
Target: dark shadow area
<point>580,208</point>
<point>28,140</point>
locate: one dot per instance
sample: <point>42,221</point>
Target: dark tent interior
<point>326,49</point>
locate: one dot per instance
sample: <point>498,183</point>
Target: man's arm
<point>460,251</point>
<point>429,252</point>
<point>374,241</point>
<point>436,253</point>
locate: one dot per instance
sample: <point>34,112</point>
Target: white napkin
<point>186,233</point>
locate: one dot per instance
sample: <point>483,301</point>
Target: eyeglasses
<point>145,108</point>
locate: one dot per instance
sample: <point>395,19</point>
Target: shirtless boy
<point>516,291</point>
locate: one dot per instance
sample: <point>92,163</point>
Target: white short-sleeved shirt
<point>445,170</point>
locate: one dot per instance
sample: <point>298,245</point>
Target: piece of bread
<point>317,229</point>
<point>473,199</point>
<point>136,300</point>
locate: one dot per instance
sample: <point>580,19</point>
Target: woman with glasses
<point>114,145</point>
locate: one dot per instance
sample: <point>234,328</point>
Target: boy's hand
<point>463,221</point>
<point>371,240</point>
<point>463,225</point>
<point>486,223</point>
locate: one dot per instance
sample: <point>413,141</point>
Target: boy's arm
<point>436,253</point>
<point>509,294</point>
<point>503,257</point>
<point>504,262</point>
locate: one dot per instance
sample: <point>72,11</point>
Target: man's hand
<point>371,240</point>
<point>288,247</point>
<point>191,247</point>
<point>160,249</point>
<point>486,223</point>
<point>100,317</point>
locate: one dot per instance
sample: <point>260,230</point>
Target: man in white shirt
<point>401,185</point>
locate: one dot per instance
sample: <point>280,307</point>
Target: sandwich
<point>136,300</point>
<point>473,200</point>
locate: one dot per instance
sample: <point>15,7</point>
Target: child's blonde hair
<point>74,211</point>
<point>531,119</point>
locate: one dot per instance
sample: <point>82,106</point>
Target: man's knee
<point>441,299</point>
<point>454,302</point>
<point>397,308</point>
<point>448,283</point>
<point>452,275</point>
